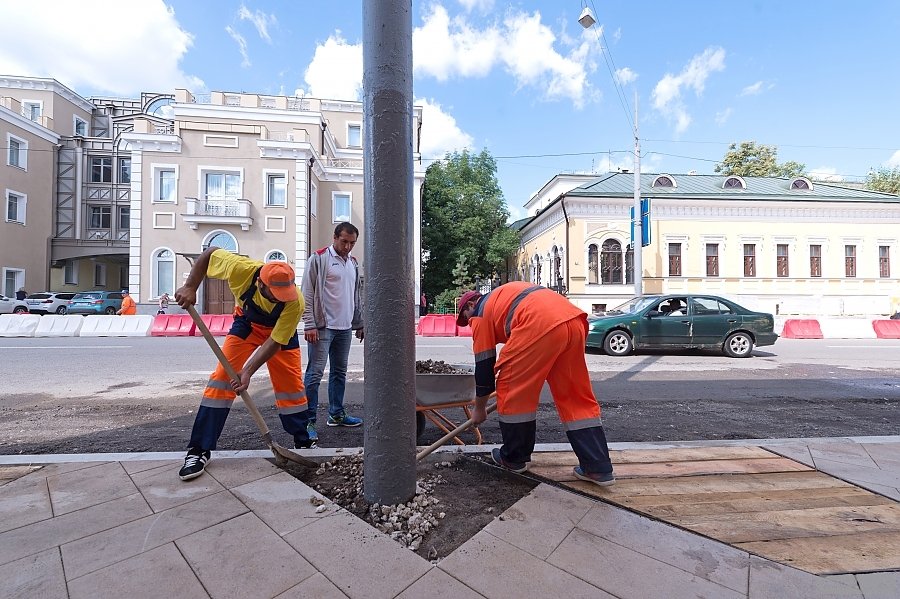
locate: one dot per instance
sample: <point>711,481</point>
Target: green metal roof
<point>710,187</point>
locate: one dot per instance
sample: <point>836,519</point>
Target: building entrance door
<point>217,297</point>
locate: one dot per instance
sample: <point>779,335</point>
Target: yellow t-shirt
<point>238,271</point>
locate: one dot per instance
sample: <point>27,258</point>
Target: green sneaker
<point>343,420</point>
<point>311,431</point>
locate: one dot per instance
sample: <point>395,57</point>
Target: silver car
<point>9,305</point>
<point>48,302</point>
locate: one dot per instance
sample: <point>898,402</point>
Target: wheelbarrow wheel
<point>420,425</point>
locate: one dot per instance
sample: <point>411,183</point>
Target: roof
<point>711,187</point>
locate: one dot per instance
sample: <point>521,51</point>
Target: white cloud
<point>752,90</point>
<point>259,19</point>
<point>894,160</point>
<point>667,94</point>
<point>440,133</point>
<point>140,47</point>
<point>336,70</point>
<point>825,173</point>
<point>625,76</point>
<point>723,115</point>
<point>242,45</point>
<point>483,6</point>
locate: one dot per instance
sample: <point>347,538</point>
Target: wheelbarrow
<point>437,392</point>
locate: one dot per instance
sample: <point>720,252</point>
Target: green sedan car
<point>681,322</point>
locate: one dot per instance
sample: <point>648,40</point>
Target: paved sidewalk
<point>123,525</point>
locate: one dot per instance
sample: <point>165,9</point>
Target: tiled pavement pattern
<point>130,528</point>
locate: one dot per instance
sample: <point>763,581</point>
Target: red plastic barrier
<point>438,325</point>
<point>802,328</point>
<point>464,331</point>
<point>172,325</point>
<point>886,329</point>
<point>218,324</point>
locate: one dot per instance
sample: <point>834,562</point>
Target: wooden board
<point>866,552</point>
<point>645,456</point>
<point>669,469</point>
<point>10,473</point>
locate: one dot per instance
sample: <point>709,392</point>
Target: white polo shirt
<point>338,295</point>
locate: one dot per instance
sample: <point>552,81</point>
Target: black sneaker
<point>194,463</point>
<point>513,466</point>
<point>308,444</point>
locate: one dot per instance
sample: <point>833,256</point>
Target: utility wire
<point>610,66</point>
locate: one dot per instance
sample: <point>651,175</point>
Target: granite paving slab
<point>162,488</point>
<point>314,587</point>
<point>71,491</point>
<point>135,466</point>
<point>879,585</point>
<point>437,584</point>
<point>39,575</point>
<point>771,580</point>
<point>240,471</point>
<point>24,501</point>
<point>283,502</point>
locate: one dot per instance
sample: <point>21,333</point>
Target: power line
<point>610,66</point>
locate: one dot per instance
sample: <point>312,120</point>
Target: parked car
<point>10,305</point>
<point>48,302</point>
<point>683,322</point>
<point>95,302</point>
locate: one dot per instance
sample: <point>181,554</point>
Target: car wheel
<point>61,310</point>
<point>420,425</point>
<point>738,345</point>
<point>617,343</point>
<point>20,310</point>
<point>110,310</point>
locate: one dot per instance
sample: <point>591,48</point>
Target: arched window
<point>163,272</point>
<point>611,263</point>
<point>276,256</point>
<point>557,268</point>
<point>593,265</point>
<point>664,181</point>
<point>223,240</point>
<point>801,183</point>
<point>734,183</point>
<point>629,265</point>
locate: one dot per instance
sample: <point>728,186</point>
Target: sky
<point>815,78</point>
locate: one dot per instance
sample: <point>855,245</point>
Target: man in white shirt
<point>332,314</point>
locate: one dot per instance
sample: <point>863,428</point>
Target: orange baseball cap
<point>279,277</point>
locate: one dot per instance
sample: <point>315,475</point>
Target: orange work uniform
<point>128,307</point>
<point>544,340</point>
<point>255,320</point>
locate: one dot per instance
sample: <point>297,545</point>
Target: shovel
<point>281,454</point>
<point>459,429</point>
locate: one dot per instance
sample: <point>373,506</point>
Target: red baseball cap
<point>279,278</point>
<point>461,319</point>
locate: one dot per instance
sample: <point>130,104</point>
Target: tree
<point>756,160</point>
<point>464,232</point>
<point>884,179</point>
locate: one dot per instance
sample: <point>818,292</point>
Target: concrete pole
<point>638,249</point>
<point>390,351</point>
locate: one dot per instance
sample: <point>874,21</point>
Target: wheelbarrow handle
<point>459,429</point>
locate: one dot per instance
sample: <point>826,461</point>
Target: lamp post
<point>587,20</point>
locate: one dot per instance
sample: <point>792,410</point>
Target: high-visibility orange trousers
<point>287,382</point>
<point>558,359</point>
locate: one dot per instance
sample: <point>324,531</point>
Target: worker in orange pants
<point>544,340</point>
<point>268,311</point>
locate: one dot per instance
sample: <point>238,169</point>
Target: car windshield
<point>635,304</point>
<point>90,296</point>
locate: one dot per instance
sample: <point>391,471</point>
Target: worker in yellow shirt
<point>128,306</point>
<point>266,314</point>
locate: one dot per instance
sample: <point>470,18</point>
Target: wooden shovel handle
<point>459,429</point>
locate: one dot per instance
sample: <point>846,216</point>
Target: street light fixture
<point>587,21</point>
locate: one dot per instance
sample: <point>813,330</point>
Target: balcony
<point>217,212</point>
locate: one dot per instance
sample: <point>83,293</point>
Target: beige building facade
<point>786,246</point>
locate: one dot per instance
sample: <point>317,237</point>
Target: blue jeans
<point>333,346</point>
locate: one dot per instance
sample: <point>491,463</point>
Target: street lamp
<point>587,21</point>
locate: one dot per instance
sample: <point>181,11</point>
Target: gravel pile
<point>438,367</point>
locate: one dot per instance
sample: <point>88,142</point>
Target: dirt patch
<point>454,500</point>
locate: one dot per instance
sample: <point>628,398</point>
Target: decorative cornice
<point>50,85</point>
<point>285,149</point>
<point>149,142</point>
<point>183,111</point>
<point>28,125</point>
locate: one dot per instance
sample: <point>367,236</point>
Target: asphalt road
<point>139,394</point>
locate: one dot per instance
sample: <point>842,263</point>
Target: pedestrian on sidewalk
<point>266,316</point>
<point>21,294</point>
<point>332,314</point>
<point>128,307</point>
<point>163,303</point>
<point>544,336</point>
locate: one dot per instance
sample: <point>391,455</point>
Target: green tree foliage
<point>750,159</point>
<point>884,179</point>
<point>464,232</point>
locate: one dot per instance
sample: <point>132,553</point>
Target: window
<point>99,274</point>
<point>222,186</point>
<point>13,280</point>
<point>674,259</point>
<point>70,272</point>
<point>611,263</point>
<point>276,190</point>
<point>629,264</point>
<point>708,305</point>
<point>31,110</point>
<point>101,169</point>
<point>850,260</point>
<point>781,261</point>
<point>749,259</point>
<point>15,207</point>
<point>165,185</point>
<point>354,135</point>
<point>276,256</point>
<point>712,259</point>
<point>664,181</point>
<point>124,218</point>
<point>314,201</point>
<point>593,265</point>
<point>163,272</point>
<point>101,217</point>
<point>80,127</point>
<point>884,261</point>
<point>815,260</point>
<point>223,240</point>
<point>801,183</point>
<point>125,170</point>
<point>734,183</point>
<point>18,152</point>
<point>340,206</point>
